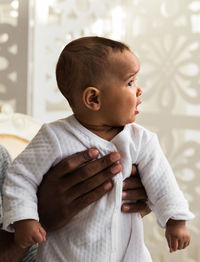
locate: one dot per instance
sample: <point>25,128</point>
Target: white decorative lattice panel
<point>14,53</point>
<point>165,34</point>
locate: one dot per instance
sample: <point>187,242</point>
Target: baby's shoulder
<point>140,133</point>
<point>59,125</point>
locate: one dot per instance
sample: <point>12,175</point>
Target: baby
<point>98,78</point>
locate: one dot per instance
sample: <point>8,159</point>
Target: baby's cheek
<point>132,101</point>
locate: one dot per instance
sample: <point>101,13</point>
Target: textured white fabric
<point>5,161</point>
<point>101,232</point>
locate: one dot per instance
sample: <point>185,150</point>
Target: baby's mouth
<point>136,109</point>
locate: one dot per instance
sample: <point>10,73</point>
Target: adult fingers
<point>71,163</point>
<point>132,182</point>
<point>133,207</point>
<point>90,169</point>
<point>146,211</point>
<point>69,209</point>
<point>85,200</point>
<point>134,170</point>
<point>137,194</point>
<point>92,182</point>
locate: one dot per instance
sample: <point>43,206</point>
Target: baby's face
<point>120,93</point>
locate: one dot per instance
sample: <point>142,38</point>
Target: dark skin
<point>72,186</point>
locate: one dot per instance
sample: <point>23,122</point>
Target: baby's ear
<point>91,98</point>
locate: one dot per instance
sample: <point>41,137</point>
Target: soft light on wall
<point>166,38</point>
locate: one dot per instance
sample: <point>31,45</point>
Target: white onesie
<point>101,232</point>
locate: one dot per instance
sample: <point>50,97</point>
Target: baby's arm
<point>28,232</point>
<point>25,175</point>
<point>177,235</point>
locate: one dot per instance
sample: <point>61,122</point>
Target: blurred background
<point>164,34</point>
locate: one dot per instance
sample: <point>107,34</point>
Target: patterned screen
<point>14,54</point>
<point>164,34</point>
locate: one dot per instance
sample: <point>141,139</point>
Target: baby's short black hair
<point>82,63</point>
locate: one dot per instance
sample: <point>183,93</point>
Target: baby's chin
<point>126,122</point>
<point>131,120</point>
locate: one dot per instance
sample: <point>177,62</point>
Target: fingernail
<point>114,157</point>
<point>125,208</point>
<point>124,194</point>
<point>93,152</point>
<point>115,169</point>
<point>108,186</point>
<point>124,184</point>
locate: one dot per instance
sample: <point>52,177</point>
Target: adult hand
<point>74,184</point>
<point>134,190</point>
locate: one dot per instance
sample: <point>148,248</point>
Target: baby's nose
<point>139,91</point>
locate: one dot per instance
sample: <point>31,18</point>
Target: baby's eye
<point>130,83</point>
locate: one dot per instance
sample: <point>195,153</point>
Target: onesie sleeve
<point>165,198</point>
<point>24,176</point>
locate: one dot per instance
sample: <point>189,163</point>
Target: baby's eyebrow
<point>131,75</point>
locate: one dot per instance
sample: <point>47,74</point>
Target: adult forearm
<point>9,251</point>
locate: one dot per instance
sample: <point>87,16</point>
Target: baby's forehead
<point>123,63</point>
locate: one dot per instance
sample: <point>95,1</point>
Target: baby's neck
<point>103,131</point>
